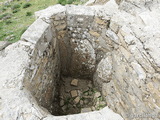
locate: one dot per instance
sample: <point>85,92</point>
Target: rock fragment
<point>61,102</point>
<point>74,93</point>
<point>74,82</point>
<point>85,110</point>
<point>76,100</point>
<point>97,94</point>
<point>3,44</point>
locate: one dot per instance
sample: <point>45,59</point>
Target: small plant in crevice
<point>64,2</point>
<point>28,13</point>
<point>8,22</point>
<point>15,6</point>
<point>7,5</point>
<point>15,11</point>
<point>26,5</point>
<point>4,9</point>
<point>5,16</point>
<point>67,101</point>
<point>23,31</point>
<point>2,36</point>
<point>100,106</point>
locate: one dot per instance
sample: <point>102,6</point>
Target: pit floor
<point>78,96</point>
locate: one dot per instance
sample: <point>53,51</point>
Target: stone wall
<point>116,45</point>
<point>82,42</point>
<point>43,71</point>
<point>65,45</point>
<point>82,60</point>
<point>129,74</point>
<point>94,42</point>
<point>34,80</point>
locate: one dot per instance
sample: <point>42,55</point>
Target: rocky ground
<point>79,96</point>
<point>128,73</point>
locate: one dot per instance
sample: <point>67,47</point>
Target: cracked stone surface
<point>116,45</point>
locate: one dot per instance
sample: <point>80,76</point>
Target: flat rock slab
<point>85,110</point>
<point>74,82</point>
<point>3,44</point>
<point>81,84</point>
<point>74,93</point>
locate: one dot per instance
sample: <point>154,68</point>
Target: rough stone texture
<point>74,98</point>
<point>74,93</point>
<point>85,110</point>
<point>44,67</point>
<point>116,45</point>
<point>74,82</point>
<point>3,44</point>
<point>30,68</point>
<point>134,67</point>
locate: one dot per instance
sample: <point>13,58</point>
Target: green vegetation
<point>23,31</point>
<point>15,6</point>
<point>28,14</point>
<point>100,106</point>
<point>17,16</point>
<point>64,2</point>
<point>4,9</point>
<point>8,22</point>
<point>15,11</point>
<point>26,5</point>
<point>8,5</point>
<point>5,16</point>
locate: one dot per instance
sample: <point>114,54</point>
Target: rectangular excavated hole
<point>77,96</point>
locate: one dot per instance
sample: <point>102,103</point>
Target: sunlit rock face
<point>115,45</point>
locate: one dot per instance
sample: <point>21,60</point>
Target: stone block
<point>114,26</point>
<point>76,100</point>
<point>3,44</point>
<point>35,32</point>
<point>100,21</point>
<point>80,10</point>
<point>74,82</point>
<point>112,36</point>
<point>97,94</point>
<point>50,11</point>
<point>95,34</point>
<point>74,93</point>
<point>85,110</point>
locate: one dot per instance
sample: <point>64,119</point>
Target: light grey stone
<point>3,44</point>
<point>85,110</point>
<point>139,70</point>
<point>35,32</point>
<point>127,73</point>
<point>74,93</point>
<point>50,11</point>
<point>79,10</point>
<point>76,100</point>
<point>112,36</point>
<point>97,94</point>
<point>74,82</point>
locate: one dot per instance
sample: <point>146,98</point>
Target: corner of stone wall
<point>43,72</point>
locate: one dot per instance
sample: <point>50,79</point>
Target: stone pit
<point>67,49</point>
<point>72,56</point>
